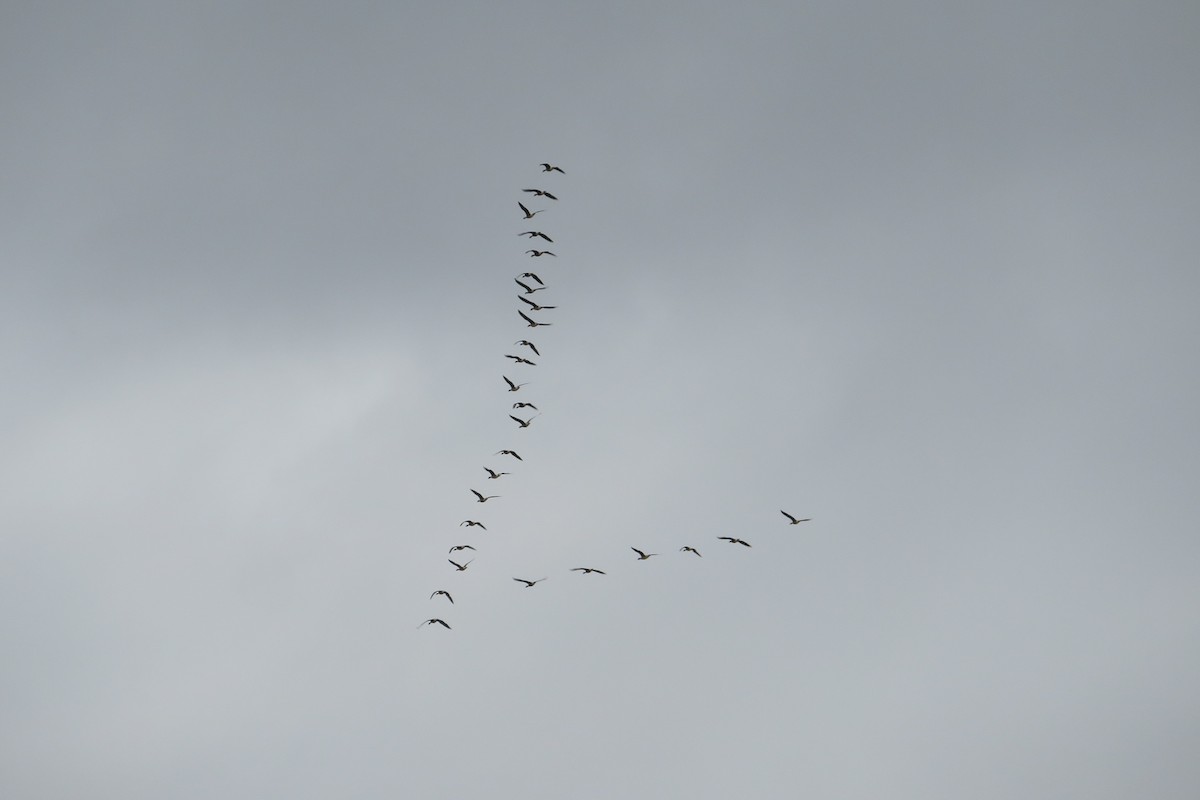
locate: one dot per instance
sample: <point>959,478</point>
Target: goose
<point>531,214</point>
<point>532,305</point>
<point>529,344</point>
<point>526,405</point>
<point>540,253</point>
<point>532,234</point>
<point>588,570</point>
<point>532,275</point>
<point>540,193</point>
<point>444,592</point>
<point>470,523</point>
<point>512,387</point>
<point>528,289</point>
<point>441,622</point>
<point>482,498</point>
<point>460,567</point>
<point>512,453</point>
<point>686,549</point>
<point>794,521</point>
<point>493,475</point>
<point>524,423</point>
<point>532,324</point>
<point>521,360</point>
<point>642,556</point>
<point>529,584</point>
<point>458,547</point>
<point>732,540</point>
<point>551,168</point>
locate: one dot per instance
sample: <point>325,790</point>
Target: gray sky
<point>924,272</point>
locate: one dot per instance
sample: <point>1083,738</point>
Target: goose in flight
<point>540,253</point>
<point>732,540</point>
<point>437,621</point>
<point>588,570</point>
<point>794,521</point>
<point>482,498</point>
<point>551,168</point>
<point>642,556</point>
<point>470,523</point>
<point>531,214</point>
<point>444,592</point>
<point>532,275</point>
<point>521,360</point>
<point>686,549</point>
<point>540,193</point>
<point>529,344</point>
<point>532,305</point>
<point>532,324</point>
<point>524,423</point>
<point>512,387</point>
<point>532,234</point>
<point>458,547</point>
<point>525,405</point>
<point>529,584</point>
<point>460,567</point>
<point>512,453</point>
<point>528,289</point>
<point>493,475</point>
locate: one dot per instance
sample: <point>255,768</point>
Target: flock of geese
<point>531,283</point>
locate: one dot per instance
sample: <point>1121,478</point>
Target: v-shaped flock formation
<point>531,283</point>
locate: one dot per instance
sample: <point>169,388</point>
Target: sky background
<point>924,272</point>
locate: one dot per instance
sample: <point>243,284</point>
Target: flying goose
<point>588,570</point>
<point>531,214</point>
<point>533,234</point>
<point>551,168</point>
<point>524,423</point>
<point>442,591</point>
<point>732,540</point>
<point>794,521</point>
<point>532,324</point>
<point>528,289</point>
<point>493,475</point>
<point>470,523</point>
<point>461,547</point>
<point>529,584</point>
<point>686,549</point>
<point>529,344</point>
<point>532,305</point>
<point>521,360</point>
<point>512,387</point>
<point>512,453</point>
<point>532,275</point>
<point>441,622</point>
<point>460,567</point>
<point>540,253</point>
<point>540,193</point>
<point>482,498</point>
<point>642,556</point>
<point>526,405</point>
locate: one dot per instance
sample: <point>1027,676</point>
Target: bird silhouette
<point>493,475</point>
<point>642,556</point>
<point>512,453</point>
<point>458,547</point>
<point>794,521</point>
<point>482,498</point>
<point>524,423</point>
<point>540,193</point>
<point>525,405</point>
<point>442,591</point>
<point>540,253</point>
<point>588,570</point>
<point>529,584</point>
<point>532,305</point>
<point>551,168</point>
<point>460,567</point>
<point>531,214</point>
<point>470,523</point>
<point>686,549</point>
<point>529,344</point>
<point>512,387</point>
<point>732,540</point>
<point>521,360</point>
<point>533,324</point>
<point>437,621</point>
<point>529,289</point>
<point>535,234</point>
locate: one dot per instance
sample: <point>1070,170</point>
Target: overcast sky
<point>924,272</point>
